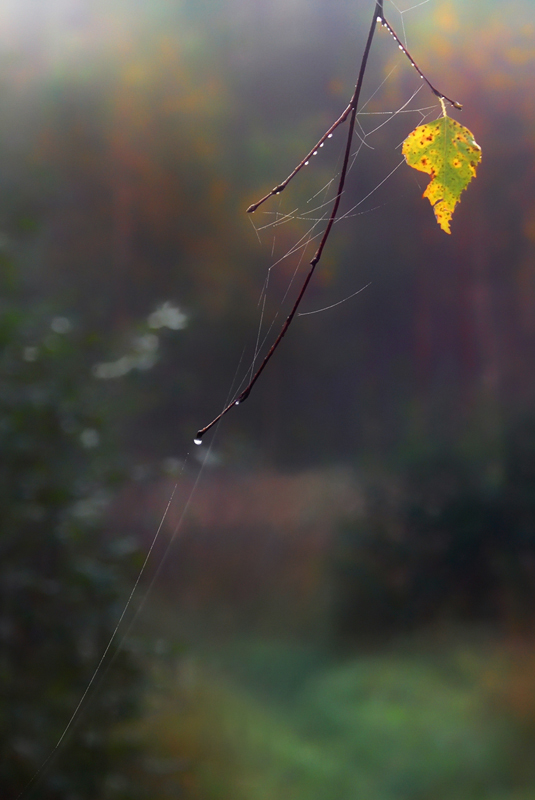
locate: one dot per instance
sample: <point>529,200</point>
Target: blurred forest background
<point>347,607</point>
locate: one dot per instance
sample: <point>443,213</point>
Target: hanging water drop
<point>306,163</point>
<point>237,402</point>
<point>330,136</point>
<point>315,153</point>
<point>321,145</point>
<point>197,440</point>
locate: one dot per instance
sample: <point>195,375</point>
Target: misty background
<point>347,605</point>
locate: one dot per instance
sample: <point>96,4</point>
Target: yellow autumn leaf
<point>449,153</point>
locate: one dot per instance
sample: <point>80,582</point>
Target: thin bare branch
<point>404,50</point>
<point>377,15</point>
<point>281,186</point>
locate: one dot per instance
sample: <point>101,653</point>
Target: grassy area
<point>266,721</point>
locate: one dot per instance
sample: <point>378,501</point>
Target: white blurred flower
<point>60,325</point>
<point>146,361</point>
<point>91,506</point>
<point>90,437</point>
<point>168,316</point>
<point>147,343</point>
<point>143,357</point>
<point>30,353</point>
<point>114,369</point>
<point>207,457</point>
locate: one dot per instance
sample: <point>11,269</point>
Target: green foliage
<point>413,730</point>
<point>449,153</point>
<point>391,726</point>
<point>61,574</point>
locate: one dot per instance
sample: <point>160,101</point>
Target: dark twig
<point>353,115</point>
<point>404,50</point>
<point>351,112</point>
<point>281,186</point>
